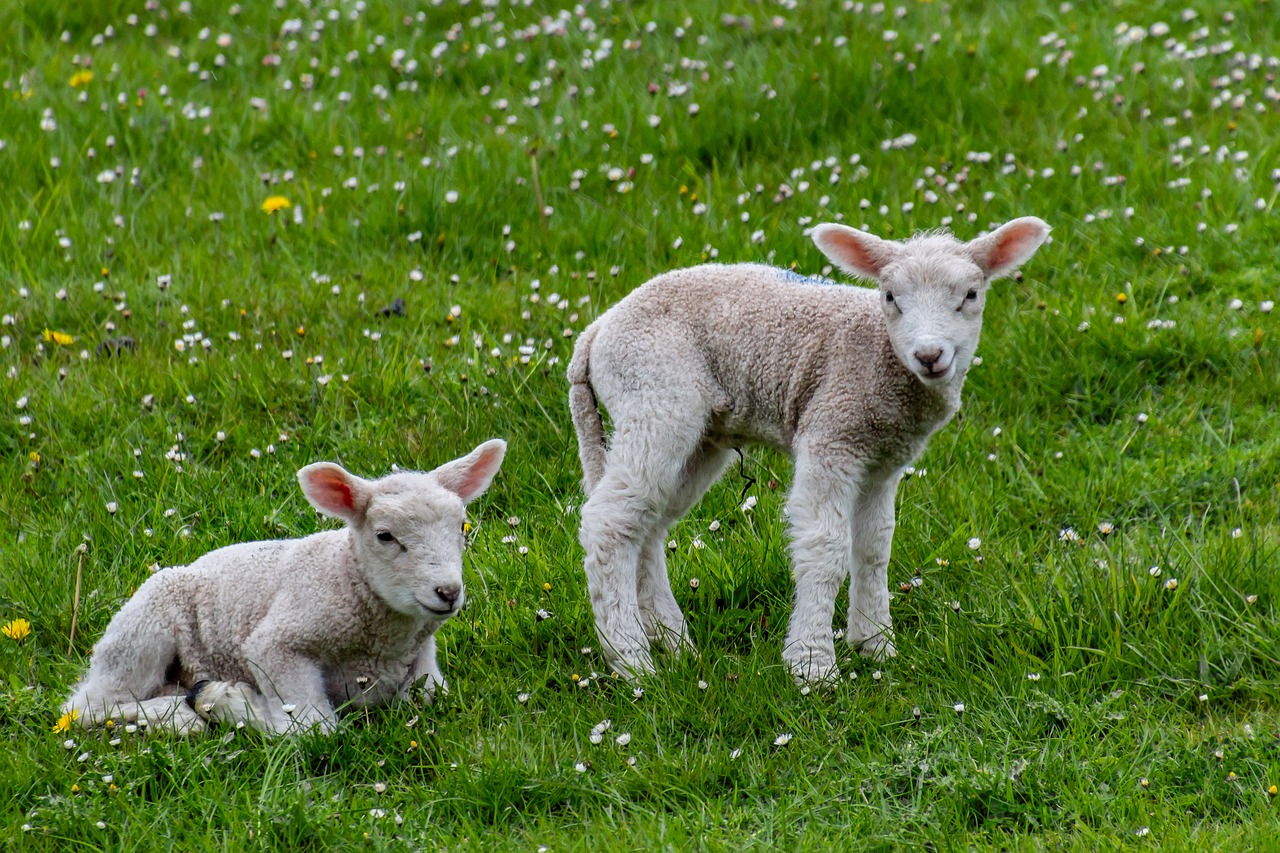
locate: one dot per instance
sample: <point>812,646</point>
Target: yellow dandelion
<point>62,339</point>
<point>80,78</point>
<point>274,203</point>
<point>65,721</point>
<point>17,630</point>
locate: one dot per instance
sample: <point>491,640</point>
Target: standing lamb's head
<point>407,527</point>
<point>933,287</point>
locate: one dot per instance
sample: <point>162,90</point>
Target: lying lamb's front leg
<point>870,628</point>
<point>291,682</point>
<point>820,506</point>
<point>427,667</point>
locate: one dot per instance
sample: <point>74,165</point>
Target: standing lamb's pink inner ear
<point>1007,247</point>
<point>856,252</point>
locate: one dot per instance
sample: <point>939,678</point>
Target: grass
<point>1080,673</point>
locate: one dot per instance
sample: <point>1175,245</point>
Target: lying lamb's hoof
<point>223,702</point>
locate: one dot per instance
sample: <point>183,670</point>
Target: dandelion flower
<point>80,78</point>
<point>274,203</point>
<point>65,721</point>
<point>62,339</point>
<point>17,630</point>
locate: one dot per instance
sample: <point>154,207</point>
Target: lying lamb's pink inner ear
<point>332,492</point>
<point>470,476</point>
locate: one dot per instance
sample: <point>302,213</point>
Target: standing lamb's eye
<point>971,295</point>
<point>888,296</point>
<point>385,536</point>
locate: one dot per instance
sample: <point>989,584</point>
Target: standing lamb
<point>850,381</point>
<point>278,634</point>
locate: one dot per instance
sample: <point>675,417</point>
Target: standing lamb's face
<point>407,528</point>
<point>933,307</point>
<point>933,287</point>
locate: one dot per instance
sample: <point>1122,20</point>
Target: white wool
<point>279,634</point>
<point>850,381</point>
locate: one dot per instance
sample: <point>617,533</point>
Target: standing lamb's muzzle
<point>850,381</point>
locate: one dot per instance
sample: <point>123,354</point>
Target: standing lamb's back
<point>850,381</point>
<point>282,633</point>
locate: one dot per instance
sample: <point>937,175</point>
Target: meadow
<point>210,210</point>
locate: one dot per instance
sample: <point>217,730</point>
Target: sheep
<point>278,634</point>
<point>850,381</point>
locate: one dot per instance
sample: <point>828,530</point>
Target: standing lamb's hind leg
<point>643,473</point>
<point>663,621</point>
<point>820,505</point>
<point>870,629</point>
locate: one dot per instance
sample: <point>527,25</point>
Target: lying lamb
<point>851,381</point>
<point>278,634</point>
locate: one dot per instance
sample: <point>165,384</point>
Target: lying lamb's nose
<point>928,357</point>
<point>449,594</point>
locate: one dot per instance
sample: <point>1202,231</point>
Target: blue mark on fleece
<point>790,275</point>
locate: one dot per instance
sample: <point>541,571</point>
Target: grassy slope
<point>1121,661</point>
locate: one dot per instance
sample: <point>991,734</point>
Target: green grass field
<point>1096,533</point>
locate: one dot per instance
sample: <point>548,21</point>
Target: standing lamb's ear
<point>334,492</point>
<point>856,252</point>
<point>469,476</point>
<point>1000,252</point>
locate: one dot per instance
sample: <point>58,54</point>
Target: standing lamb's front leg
<point>820,506</point>
<point>870,629</point>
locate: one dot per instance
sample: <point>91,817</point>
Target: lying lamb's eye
<point>385,536</point>
<point>971,295</point>
<point>888,296</point>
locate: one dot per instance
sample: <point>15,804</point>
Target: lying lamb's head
<point>407,528</point>
<point>933,287</point>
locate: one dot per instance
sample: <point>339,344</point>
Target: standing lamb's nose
<point>928,357</point>
<point>449,594</point>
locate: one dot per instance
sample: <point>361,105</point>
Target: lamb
<point>278,634</point>
<point>850,381</point>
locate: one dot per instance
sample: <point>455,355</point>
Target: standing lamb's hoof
<point>878,648</point>
<point>810,667</point>
<point>673,641</point>
<point>635,664</point>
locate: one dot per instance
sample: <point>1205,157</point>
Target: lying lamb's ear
<point>1000,252</point>
<point>856,252</point>
<point>334,492</point>
<point>469,476</point>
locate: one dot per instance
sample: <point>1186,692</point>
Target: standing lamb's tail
<point>586,414</point>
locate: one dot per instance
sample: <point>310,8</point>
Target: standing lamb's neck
<point>934,404</point>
